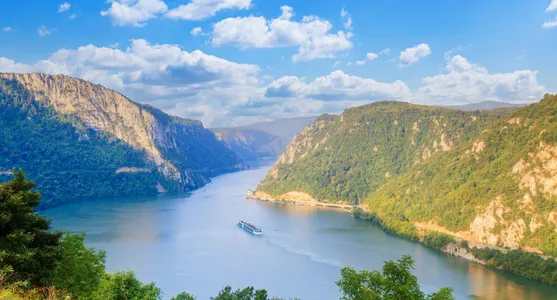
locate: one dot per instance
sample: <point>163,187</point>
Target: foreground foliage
<point>36,263</point>
<point>394,282</point>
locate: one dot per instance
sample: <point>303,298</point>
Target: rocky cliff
<point>182,152</point>
<point>343,158</point>
<point>484,177</point>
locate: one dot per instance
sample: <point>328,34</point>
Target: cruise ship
<point>249,228</point>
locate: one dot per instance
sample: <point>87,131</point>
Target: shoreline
<point>455,246</point>
<point>296,202</point>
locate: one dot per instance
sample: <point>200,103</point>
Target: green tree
<point>125,286</point>
<point>183,296</point>
<point>80,270</point>
<point>248,293</point>
<point>395,282</point>
<point>27,246</point>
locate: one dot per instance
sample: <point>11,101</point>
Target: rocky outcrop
<point>182,150</point>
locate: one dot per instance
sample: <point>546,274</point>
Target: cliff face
<point>486,177</point>
<point>343,158</point>
<point>181,151</point>
<point>498,189</point>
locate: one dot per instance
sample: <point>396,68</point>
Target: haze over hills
<point>84,141</point>
<point>264,140</point>
<point>484,105</point>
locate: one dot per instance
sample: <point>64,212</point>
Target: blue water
<point>190,242</point>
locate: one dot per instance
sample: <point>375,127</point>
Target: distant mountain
<point>81,141</point>
<point>262,140</point>
<point>484,105</point>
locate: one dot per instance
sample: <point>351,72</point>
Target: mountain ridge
<point>182,153</point>
<point>265,140</point>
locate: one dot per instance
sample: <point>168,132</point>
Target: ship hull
<point>249,228</point>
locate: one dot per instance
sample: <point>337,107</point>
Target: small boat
<point>249,228</point>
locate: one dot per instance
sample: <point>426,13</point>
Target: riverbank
<point>517,262</point>
<point>296,199</point>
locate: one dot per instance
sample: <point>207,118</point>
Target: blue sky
<point>254,60</point>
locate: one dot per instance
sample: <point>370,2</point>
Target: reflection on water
<point>190,242</point>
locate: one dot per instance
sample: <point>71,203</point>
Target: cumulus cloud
<point>221,93</point>
<point>44,31</point>
<point>552,6</point>
<point>348,22</point>
<point>385,51</point>
<point>369,57</point>
<point>64,7</point>
<point>134,13</point>
<point>337,86</point>
<point>196,31</point>
<point>7,29</point>
<point>162,75</point>
<point>464,82</point>
<point>550,24</point>
<point>414,54</point>
<point>201,9</point>
<point>73,16</point>
<point>312,35</point>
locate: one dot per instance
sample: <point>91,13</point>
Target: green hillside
<point>77,156</point>
<point>500,188</point>
<point>344,158</point>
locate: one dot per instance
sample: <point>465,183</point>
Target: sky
<point>235,62</point>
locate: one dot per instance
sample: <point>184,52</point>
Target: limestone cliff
<point>343,158</point>
<point>182,151</point>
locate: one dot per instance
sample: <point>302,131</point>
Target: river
<point>190,242</point>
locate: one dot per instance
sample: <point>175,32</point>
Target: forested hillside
<point>344,158</point>
<point>82,141</point>
<point>498,189</point>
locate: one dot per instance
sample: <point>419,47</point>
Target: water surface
<point>190,242</point>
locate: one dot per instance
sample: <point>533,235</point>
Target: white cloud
<point>64,7</point>
<point>114,45</point>
<point>73,16</point>
<point>44,31</point>
<point>7,29</point>
<point>338,62</point>
<point>414,54</point>
<point>552,6</point>
<point>337,86</point>
<point>220,92</point>
<point>312,35</point>
<point>385,51</point>
<point>201,9</point>
<point>162,75</point>
<point>348,22</point>
<point>196,31</point>
<point>134,13</point>
<point>464,82</point>
<point>550,24</point>
<point>369,57</point>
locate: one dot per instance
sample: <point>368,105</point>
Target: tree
<point>248,293</point>
<point>183,296</point>
<point>81,269</point>
<point>395,282</point>
<point>27,246</point>
<point>125,286</point>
